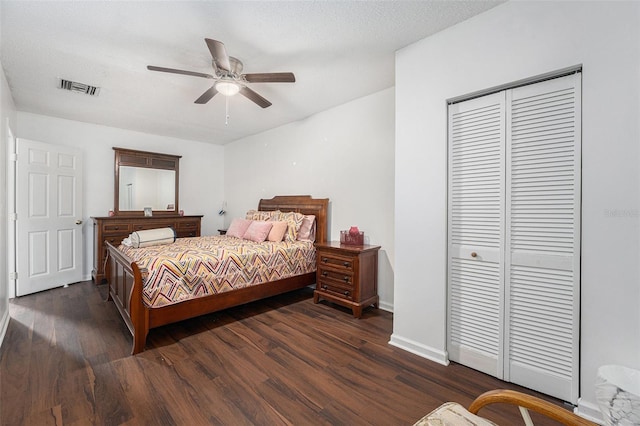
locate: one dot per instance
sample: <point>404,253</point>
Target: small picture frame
<point>148,212</point>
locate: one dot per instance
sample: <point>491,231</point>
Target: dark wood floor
<point>65,361</point>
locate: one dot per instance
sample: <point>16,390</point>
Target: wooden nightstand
<point>347,275</point>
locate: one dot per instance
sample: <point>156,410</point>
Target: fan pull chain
<point>226,117</point>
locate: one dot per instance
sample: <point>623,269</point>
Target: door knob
<point>78,222</point>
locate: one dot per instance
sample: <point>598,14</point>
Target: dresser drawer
<point>116,229</point>
<point>335,261</point>
<point>115,240</point>
<point>156,225</point>
<point>182,233</point>
<point>187,226</point>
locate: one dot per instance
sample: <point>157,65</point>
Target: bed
<point>126,278</point>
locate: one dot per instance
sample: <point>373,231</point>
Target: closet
<point>514,234</point>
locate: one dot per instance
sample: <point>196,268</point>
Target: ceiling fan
<point>228,76</point>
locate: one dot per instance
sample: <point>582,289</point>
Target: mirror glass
<point>141,187</point>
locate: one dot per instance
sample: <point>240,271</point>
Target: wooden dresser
<point>347,275</point>
<point>116,228</point>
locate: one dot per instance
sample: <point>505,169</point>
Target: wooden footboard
<point>125,289</point>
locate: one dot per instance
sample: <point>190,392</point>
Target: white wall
<point>7,121</point>
<point>511,42</point>
<point>344,154</point>
<point>201,168</point>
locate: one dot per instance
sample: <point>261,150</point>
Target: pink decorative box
<point>351,239</point>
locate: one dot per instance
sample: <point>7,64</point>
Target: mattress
<point>202,266</point>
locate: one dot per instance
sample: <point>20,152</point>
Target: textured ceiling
<point>338,51</point>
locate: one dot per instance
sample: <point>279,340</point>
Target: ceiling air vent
<point>74,86</point>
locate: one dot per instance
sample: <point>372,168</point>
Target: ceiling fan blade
<point>251,95</point>
<point>206,96</point>
<point>219,54</point>
<point>175,71</point>
<point>271,77</point>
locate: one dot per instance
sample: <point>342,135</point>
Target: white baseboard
<point>386,306</point>
<point>4,323</point>
<point>435,355</point>
<point>589,410</point>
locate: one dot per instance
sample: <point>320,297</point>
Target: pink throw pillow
<point>306,229</point>
<point>257,231</point>
<point>238,227</point>
<point>277,231</point>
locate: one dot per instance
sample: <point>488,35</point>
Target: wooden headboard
<point>319,207</point>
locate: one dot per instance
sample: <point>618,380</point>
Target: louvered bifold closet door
<point>543,236</point>
<point>476,232</point>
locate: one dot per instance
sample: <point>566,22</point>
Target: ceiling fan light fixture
<point>227,88</point>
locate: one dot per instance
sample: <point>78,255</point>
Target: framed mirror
<point>146,183</point>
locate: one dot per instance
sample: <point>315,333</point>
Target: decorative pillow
<point>257,231</point>
<point>277,231</point>
<point>261,214</point>
<point>238,227</point>
<point>307,229</point>
<point>294,221</point>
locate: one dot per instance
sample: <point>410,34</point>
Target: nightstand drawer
<point>343,292</point>
<point>337,262</point>
<point>338,277</point>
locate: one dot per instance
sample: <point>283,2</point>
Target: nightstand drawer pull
<point>325,260</point>
<point>324,273</point>
<point>346,293</point>
<point>324,287</point>
<point>346,279</point>
<point>346,264</point>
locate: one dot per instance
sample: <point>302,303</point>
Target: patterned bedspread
<point>197,267</point>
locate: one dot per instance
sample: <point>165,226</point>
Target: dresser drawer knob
<point>324,287</point>
<point>324,273</point>
<point>325,260</point>
<point>346,279</point>
<point>346,293</point>
<point>346,264</point>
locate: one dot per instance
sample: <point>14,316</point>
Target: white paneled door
<point>49,216</point>
<point>514,235</point>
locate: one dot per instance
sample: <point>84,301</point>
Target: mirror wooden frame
<point>150,160</point>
